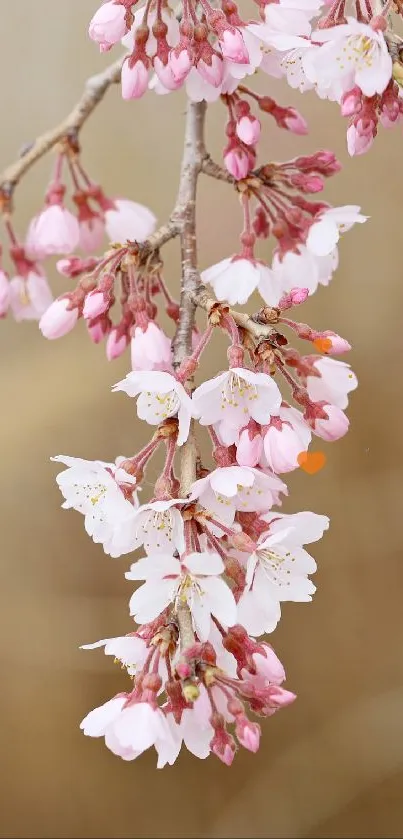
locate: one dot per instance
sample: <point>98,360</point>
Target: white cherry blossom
<point>129,728</point>
<point>234,279</point>
<point>352,53</point>
<point>158,526</point>
<point>278,569</point>
<point>232,488</point>
<point>292,16</point>
<point>325,231</point>
<point>233,397</point>
<point>303,269</point>
<point>95,489</point>
<point>194,731</point>
<point>160,396</point>
<point>195,579</point>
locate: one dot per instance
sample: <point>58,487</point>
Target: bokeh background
<point>330,766</point>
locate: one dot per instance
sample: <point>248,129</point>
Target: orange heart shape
<point>311,462</point>
<point>323,344</point>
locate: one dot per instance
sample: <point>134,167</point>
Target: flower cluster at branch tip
<point>355,61</point>
<point>217,558</point>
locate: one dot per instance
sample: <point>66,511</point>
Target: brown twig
<point>94,91</point>
<point>259,331</point>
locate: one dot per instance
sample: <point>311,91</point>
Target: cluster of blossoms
<point>217,559</point>
<point>314,44</point>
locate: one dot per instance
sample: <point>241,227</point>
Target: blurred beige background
<point>330,766</point>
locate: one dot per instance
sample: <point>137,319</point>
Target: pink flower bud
<point>134,79</point>
<point>4,293</point>
<point>237,162</point>
<point>115,346</point>
<point>165,74</point>
<point>358,142</point>
<point>233,46</point>
<point>293,298</point>
<point>54,231</point>
<point>96,303</point>
<point>249,449</point>
<point>295,122</point>
<point>280,698</point>
<point>283,444</point>
<point>74,266</point>
<point>212,73</point>
<point>180,63</point>
<point>334,427</point>
<point>350,102</point>
<point>92,232</point>
<point>108,25</point>
<point>98,328</point>
<point>335,344</point>
<point>59,319</point>
<point>226,752</point>
<point>248,130</point>
<point>269,666</point>
<point>248,733</point>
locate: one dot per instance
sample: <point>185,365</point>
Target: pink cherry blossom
<point>334,382</point>
<point>59,319</point>
<point>108,25</point>
<point>129,221</point>
<point>151,349</point>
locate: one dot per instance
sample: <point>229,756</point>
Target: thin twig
<point>94,91</point>
<point>204,300</point>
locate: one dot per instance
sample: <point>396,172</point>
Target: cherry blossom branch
<point>184,220</point>
<point>250,323</point>
<point>94,91</point>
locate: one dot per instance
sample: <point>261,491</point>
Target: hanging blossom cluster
<point>211,555</point>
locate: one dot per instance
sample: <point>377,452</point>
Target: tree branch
<point>260,331</point>
<point>94,91</point>
<point>184,216</point>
